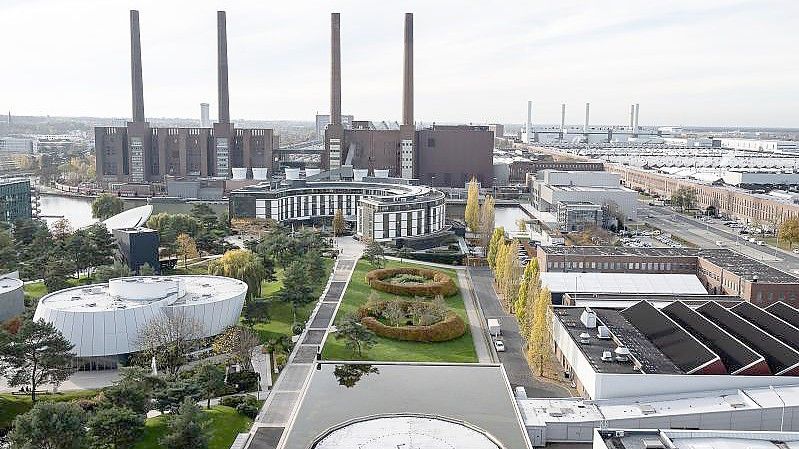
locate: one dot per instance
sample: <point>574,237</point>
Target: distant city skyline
<point>718,63</point>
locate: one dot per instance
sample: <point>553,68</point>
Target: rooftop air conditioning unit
<point>585,338</point>
<point>603,333</point>
<point>619,434</point>
<point>652,443</point>
<point>622,354</point>
<point>607,356</point>
<point>555,411</point>
<point>588,318</point>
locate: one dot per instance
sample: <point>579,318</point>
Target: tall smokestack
<point>637,109</point>
<point>632,117</point>
<point>205,119</point>
<point>135,68</point>
<point>335,69</point>
<point>224,95</point>
<point>587,111</point>
<point>529,125</point>
<point>407,72</point>
<point>563,116</point>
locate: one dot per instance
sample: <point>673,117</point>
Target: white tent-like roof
<point>558,282</point>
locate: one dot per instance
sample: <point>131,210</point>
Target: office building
<point>15,199</point>
<point>140,154</point>
<point>441,156</point>
<point>138,246</point>
<point>550,187</point>
<point>382,209</point>
<point>14,145</point>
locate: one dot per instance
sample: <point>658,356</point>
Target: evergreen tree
<point>186,428</point>
<point>472,206</point>
<point>358,338</point>
<point>211,379</point>
<point>107,205</point>
<point>338,223</point>
<point>374,254</point>
<point>56,272</point>
<point>115,428</point>
<point>49,425</point>
<point>101,245</point>
<point>297,289</point>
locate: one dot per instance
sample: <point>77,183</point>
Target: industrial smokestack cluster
<point>135,68</point>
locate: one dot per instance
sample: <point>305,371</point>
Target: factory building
<point>668,438</point>
<point>721,271</point>
<point>604,189</point>
<point>139,154</point>
<point>445,156</point>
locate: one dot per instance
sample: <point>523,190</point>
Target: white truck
<point>494,327</point>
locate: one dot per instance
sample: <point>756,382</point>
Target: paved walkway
<point>284,396</point>
<point>513,359</point>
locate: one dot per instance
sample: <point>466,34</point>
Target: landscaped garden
<point>223,424</point>
<point>417,315</point>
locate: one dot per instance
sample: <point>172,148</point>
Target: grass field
<point>460,349</point>
<point>280,314</point>
<point>11,406</point>
<point>223,424</point>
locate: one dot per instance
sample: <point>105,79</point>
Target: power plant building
<point>441,156</point>
<point>140,154</point>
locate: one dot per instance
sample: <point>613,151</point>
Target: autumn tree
<point>472,215</point>
<point>243,265</point>
<point>493,245</point>
<point>789,231</point>
<point>169,338</point>
<point>529,287</point>
<point>338,222</point>
<point>538,342</point>
<point>684,198</point>
<point>499,266</point>
<point>512,274</point>
<point>486,220</point>
<point>187,247</point>
<point>237,341</point>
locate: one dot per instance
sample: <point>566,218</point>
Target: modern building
<point>400,405</point>
<point>12,296</point>
<point>103,321</point>
<point>441,156</point>
<point>721,271</point>
<point>382,209</point>
<point>669,438</point>
<point>678,348</point>
<point>15,199</point>
<point>322,120</point>
<point>138,246</point>
<point>15,145</point>
<point>575,216</point>
<point>140,154</point>
<point>602,188</point>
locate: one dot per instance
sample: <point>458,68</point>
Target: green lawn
<point>34,290</point>
<point>223,425</point>
<point>458,350</point>
<point>280,314</point>
<point>11,405</point>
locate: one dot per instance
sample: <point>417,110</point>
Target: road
<point>706,234</point>
<point>519,373</point>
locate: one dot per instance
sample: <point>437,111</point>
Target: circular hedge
<point>449,328</point>
<point>439,282</point>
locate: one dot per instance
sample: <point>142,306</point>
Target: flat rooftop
<point>477,395</point>
<point>632,283</point>
<point>707,439</point>
<point>736,263</point>
<point>8,284</point>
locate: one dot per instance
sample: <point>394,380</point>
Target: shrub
<point>243,380</point>
<point>438,283</point>
<point>444,324</point>
<point>249,407</point>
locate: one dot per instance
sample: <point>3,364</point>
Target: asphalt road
<point>519,373</point>
<point>706,234</point>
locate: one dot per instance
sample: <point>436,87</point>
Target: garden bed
<point>411,281</point>
<point>449,327</point>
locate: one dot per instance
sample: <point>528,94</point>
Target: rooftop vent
<point>607,356</point>
<point>603,333</point>
<point>652,443</point>
<point>622,354</point>
<point>555,412</point>
<point>646,409</point>
<point>585,338</point>
<point>588,318</point>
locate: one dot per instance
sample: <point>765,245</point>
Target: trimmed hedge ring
<point>440,283</point>
<point>450,328</point>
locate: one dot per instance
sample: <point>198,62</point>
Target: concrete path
<point>284,396</point>
<point>81,380</point>
<point>513,359</point>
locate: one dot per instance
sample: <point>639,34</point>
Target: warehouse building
<point>677,348</point>
<point>561,283</point>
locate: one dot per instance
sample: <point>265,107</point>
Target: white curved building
<point>103,320</point>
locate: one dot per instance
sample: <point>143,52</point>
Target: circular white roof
<point>406,432</point>
<point>130,218</point>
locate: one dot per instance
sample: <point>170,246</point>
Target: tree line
<point>522,294</point>
<point>479,217</point>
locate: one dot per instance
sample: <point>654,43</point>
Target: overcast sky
<point>707,62</point>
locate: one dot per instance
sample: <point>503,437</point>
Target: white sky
<point>708,62</point>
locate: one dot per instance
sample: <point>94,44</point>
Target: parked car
<point>499,345</point>
<point>761,243</point>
